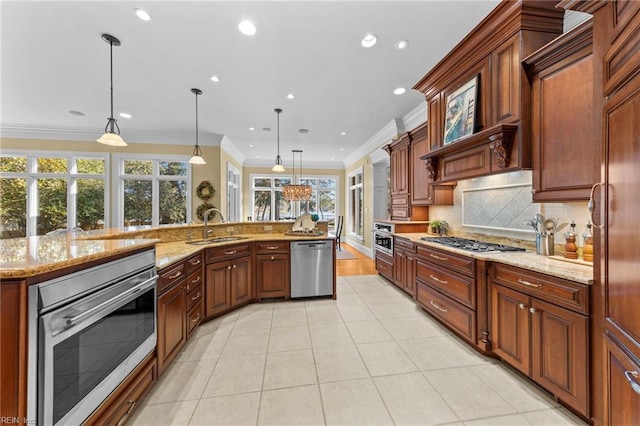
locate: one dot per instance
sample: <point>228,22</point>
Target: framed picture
<point>460,116</point>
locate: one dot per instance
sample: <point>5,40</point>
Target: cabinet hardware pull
<point>273,257</point>
<point>196,297</point>
<point>591,205</point>
<point>436,279</point>
<point>229,267</point>
<point>432,303</point>
<point>197,262</point>
<point>527,283</point>
<point>631,375</point>
<point>532,310</point>
<point>272,247</point>
<point>522,306</point>
<point>197,280</point>
<point>126,415</point>
<point>231,252</point>
<point>438,257</point>
<point>234,266</point>
<point>176,275</point>
<point>196,319</point>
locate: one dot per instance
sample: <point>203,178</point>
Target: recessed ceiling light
<point>402,44</point>
<point>215,78</point>
<point>247,28</point>
<point>369,40</point>
<point>343,133</point>
<point>252,128</point>
<point>76,113</point>
<point>341,149</point>
<point>303,131</point>
<point>399,91</point>
<point>266,129</point>
<point>142,14</point>
<point>333,159</point>
<point>251,146</point>
<point>291,96</point>
<point>125,115</point>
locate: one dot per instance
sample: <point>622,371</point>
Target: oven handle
<point>142,286</point>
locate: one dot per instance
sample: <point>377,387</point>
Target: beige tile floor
<point>370,357</point>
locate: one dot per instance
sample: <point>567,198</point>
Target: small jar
<point>570,247</point>
<point>587,250</point>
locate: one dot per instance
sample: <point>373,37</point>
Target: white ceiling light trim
<point>401,45</point>
<point>142,14</point>
<point>399,91</point>
<point>369,40</point>
<point>215,79</point>
<point>247,28</point>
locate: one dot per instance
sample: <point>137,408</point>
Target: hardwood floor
<point>361,266</point>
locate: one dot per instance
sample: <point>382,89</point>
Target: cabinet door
<point>172,327</point>
<point>272,275</point>
<point>434,106</point>
<point>410,273</point>
<point>402,168</point>
<point>560,348</point>
<point>505,73</point>
<point>622,397</point>
<point>241,285</point>
<point>398,268</point>
<point>420,183</point>
<point>218,289</point>
<point>510,327</point>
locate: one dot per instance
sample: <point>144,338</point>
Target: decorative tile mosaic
<point>499,207</point>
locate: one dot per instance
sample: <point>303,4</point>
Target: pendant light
<point>111,131</point>
<point>278,167</point>
<point>296,192</point>
<point>197,152</point>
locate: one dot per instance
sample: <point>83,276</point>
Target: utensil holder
<point>545,244</point>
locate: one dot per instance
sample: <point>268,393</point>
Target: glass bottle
<point>570,247</point>
<point>587,249</point>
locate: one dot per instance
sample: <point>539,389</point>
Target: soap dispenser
<point>570,247</point>
<point>587,249</point>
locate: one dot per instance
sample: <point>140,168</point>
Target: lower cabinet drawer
<point>458,317</point>
<point>194,280</point>
<point>194,317</point>
<point>457,286</point>
<point>384,267</point>
<point>194,296</point>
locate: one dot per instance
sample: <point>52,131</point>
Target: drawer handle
<point>231,252</point>
<point>532,310</point>
<point>126,415</point>
<point>234,266</point>
<point>591,205</point>
<point>432,303</point>
<point>273,257</point>
<point>196,297</point>
<point>176,275</point>
<point>631,375</point>
<point>522,306</point>
<point>272,247</point>
<point>197,280</point>
<point>436,279</point>
<point>229,267</point>
<point>197,262</point>
<point>528,284</point>
<point>196,319</point>
<point>438,257</point>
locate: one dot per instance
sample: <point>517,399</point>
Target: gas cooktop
<point>470,245</point>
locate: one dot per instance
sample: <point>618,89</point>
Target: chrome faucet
<point>205,233</point>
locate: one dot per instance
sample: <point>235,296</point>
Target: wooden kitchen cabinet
<point>241,282</point>
<point>228,282</point>
<point>172,323</point>
<point>566,150</point>
<point>384,265</point>
<point>545,341</point>
<point>404,264</point>
<point>218,288</point>
<point>399,162</point>
<point>195,292</point>
<point>273,269</point>
<point>423,191</point>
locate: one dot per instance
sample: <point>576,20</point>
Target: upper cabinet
<point>565,145</point>
<point>478,97</point>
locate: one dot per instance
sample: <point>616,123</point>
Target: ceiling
<point>54,61</point>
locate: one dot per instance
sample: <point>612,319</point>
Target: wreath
<point>205,191</point>
<point>203,208</point>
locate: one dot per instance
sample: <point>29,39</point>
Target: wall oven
<point>382,236</point>
<point>87,332</point>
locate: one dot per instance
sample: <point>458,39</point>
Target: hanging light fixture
<point>197,152</point>
<point>278,167</point>
<point>111,131</point>
<point>296,192</point>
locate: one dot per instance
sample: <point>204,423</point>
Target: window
<point>152,192</point>
<point>267,198</point>
<point>233,194</point>
<point>41,192</point>
<point>356,204</point>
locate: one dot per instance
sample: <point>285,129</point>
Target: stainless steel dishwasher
<point>311,268</point>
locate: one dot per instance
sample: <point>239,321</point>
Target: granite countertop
<point>402,222</point>
<point>557,267</point>
<point>31,256</point>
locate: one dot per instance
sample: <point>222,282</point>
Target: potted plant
<point>435,226</point>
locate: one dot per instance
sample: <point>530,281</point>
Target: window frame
<point>119,177</point>
<point>234,194</point>
<point>71,176</point>
<point>357,224</point>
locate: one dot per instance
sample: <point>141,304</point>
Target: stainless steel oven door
<point>87,348</point>
<point>383,242</point>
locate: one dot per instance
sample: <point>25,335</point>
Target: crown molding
<point>332,165</point>
<point>231,149</point>
<point>415,117</point>
<point>391,130</point>
<point>28,131</point>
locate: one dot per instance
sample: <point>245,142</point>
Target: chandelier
<point>295,192</point>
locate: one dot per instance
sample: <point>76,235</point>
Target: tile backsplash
<point>498,205</point>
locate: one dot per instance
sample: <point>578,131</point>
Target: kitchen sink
<point>214,240</point>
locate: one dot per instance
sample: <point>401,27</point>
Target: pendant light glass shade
<point>278,167</point>
<point>197,152</point>
<point>111,135</point>
<point>296,192</point>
